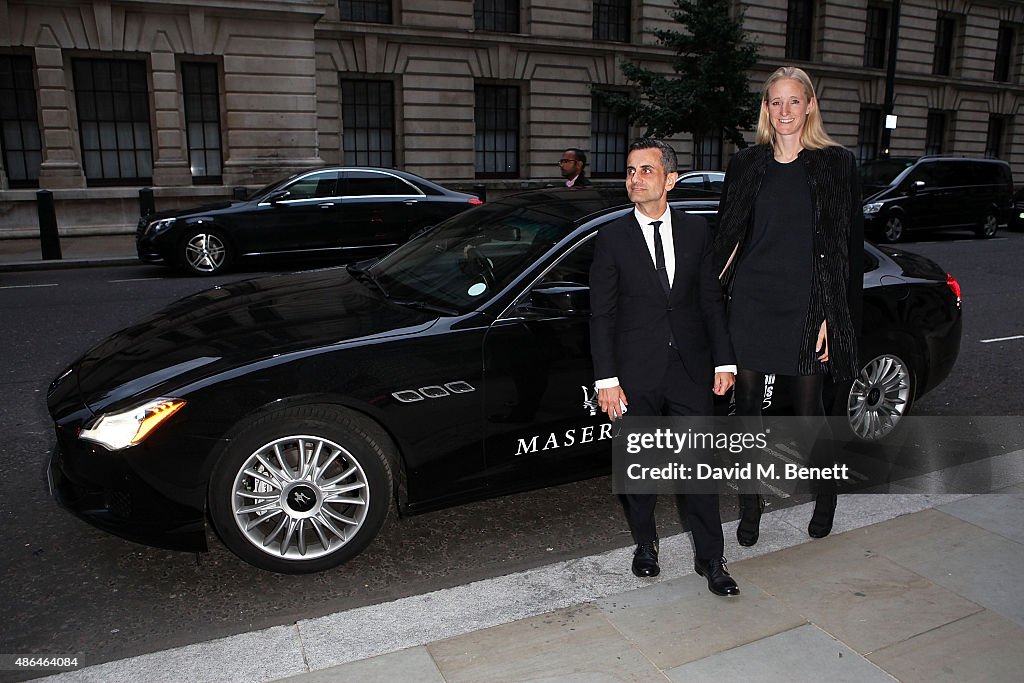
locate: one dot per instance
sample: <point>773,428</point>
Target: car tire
<point>301,490</point>
<point>878,399</point>
<point>894,229</point>
<point>204,251</point>
<point>988,227</point>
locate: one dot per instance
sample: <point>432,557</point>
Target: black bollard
<point>480,190</point>
<point>49,238</point>
<point>240,193</point>
<point>147,204</point>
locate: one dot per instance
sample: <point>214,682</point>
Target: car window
<point>574,267</point>
<point>882,172</point>
<point>370,184</point>
<point>716,182</point>
<point>314,186</point>
<point>473,255</point>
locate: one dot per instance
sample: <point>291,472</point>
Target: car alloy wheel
<point>308,498</point>
<point>879,397</point>
<point>988,227</point>
<point>205,253</point>
<point>894,228</point>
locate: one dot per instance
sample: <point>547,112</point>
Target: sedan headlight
<point>873,207</point>
<point>157,227</point>
<point>129,427</point>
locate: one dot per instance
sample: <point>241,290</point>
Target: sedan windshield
<point>467,259</point>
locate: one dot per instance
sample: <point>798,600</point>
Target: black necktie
<point>659,258</point>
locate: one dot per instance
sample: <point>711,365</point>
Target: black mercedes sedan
<point>293,412</point>
<point>346,213</point>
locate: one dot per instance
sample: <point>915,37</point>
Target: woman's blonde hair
<point>813,135</point>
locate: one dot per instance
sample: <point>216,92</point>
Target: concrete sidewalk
<point>76,251</point>
<point>909,587</point>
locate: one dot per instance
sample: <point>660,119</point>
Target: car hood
<point>230,326</point>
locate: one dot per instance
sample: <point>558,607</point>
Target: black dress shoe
<point>719,581</point>
<point>645,560</point>
<point>749,528</point>
<point>824,514</point>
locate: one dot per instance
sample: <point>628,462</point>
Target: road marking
<point>51,284</point>
<point>138,279</point>
<point>1002,339</point>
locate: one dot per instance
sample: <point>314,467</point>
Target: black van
<point>933,192</point>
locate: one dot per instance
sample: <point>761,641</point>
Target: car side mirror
<point>915,186</point>
<point>556,299</point>
<point>275,197</point>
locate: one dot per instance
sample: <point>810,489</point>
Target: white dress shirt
<point>665,229</point>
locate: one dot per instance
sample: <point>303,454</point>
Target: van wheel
<point>988,227</point>
<point>895,228</point>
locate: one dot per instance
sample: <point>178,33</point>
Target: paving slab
<point>412,664</point>
<point>1000,513</point>
<point>805,653</point>
<point>573,644</point>
<point>862,598</point>
<point>679,621</point>
<point>980,647</point>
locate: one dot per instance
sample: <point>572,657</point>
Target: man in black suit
<point>658,337</point>
<point>572,163</point>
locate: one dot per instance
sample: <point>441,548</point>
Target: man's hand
<point>612,402</point>
<point>723,382</point>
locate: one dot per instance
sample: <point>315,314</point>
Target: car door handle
<point>411,202</point>
<point>328,205</point>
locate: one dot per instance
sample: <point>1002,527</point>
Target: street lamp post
<point>890,76</point>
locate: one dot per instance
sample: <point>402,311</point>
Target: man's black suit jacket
<point>631,316</point>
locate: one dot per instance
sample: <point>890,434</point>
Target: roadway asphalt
<point>910,586</point>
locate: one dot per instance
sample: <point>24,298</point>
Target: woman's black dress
<point>772,289</point>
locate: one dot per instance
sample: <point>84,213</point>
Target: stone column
<point>62,165</point>
<point>170,160</point>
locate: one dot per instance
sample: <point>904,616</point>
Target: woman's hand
<point>822,345</point>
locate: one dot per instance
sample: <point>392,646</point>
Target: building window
<point>1004,54</point>
<point>609,140</point>
<point>497,131</point>
<point>945,33</point>
<point>113,120</point>
<point>500,16</point>
<point>19,119</point>
<point>875,37</point>
<point>611,20</point>
<point>869,130</point>
<point>707,151</point>
<point>202,120</point>
<point>368,118</point>
<point>373,11</point>
<point>935,135</point>
<point>799,29</point>
<point>996,134</point>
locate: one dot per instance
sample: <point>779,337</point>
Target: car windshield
<point>883,172</point>
<point>467,259</point>
<point>265,190</point>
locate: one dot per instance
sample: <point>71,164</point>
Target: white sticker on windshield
<point>477,289</point>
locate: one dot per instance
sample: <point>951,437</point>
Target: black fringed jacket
<point>838,223</point>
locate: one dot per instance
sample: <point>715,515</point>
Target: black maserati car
<point>347,213</point>
<point>294,411</point>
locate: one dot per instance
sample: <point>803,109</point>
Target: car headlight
<point>873,207</point>
<point>129,427</point>
<point>157,227</point>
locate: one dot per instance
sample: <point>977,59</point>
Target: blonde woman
<point>789,247</point>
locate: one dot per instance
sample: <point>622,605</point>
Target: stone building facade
<point>100,98</point>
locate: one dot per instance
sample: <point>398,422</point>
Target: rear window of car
<point>370,184</point>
